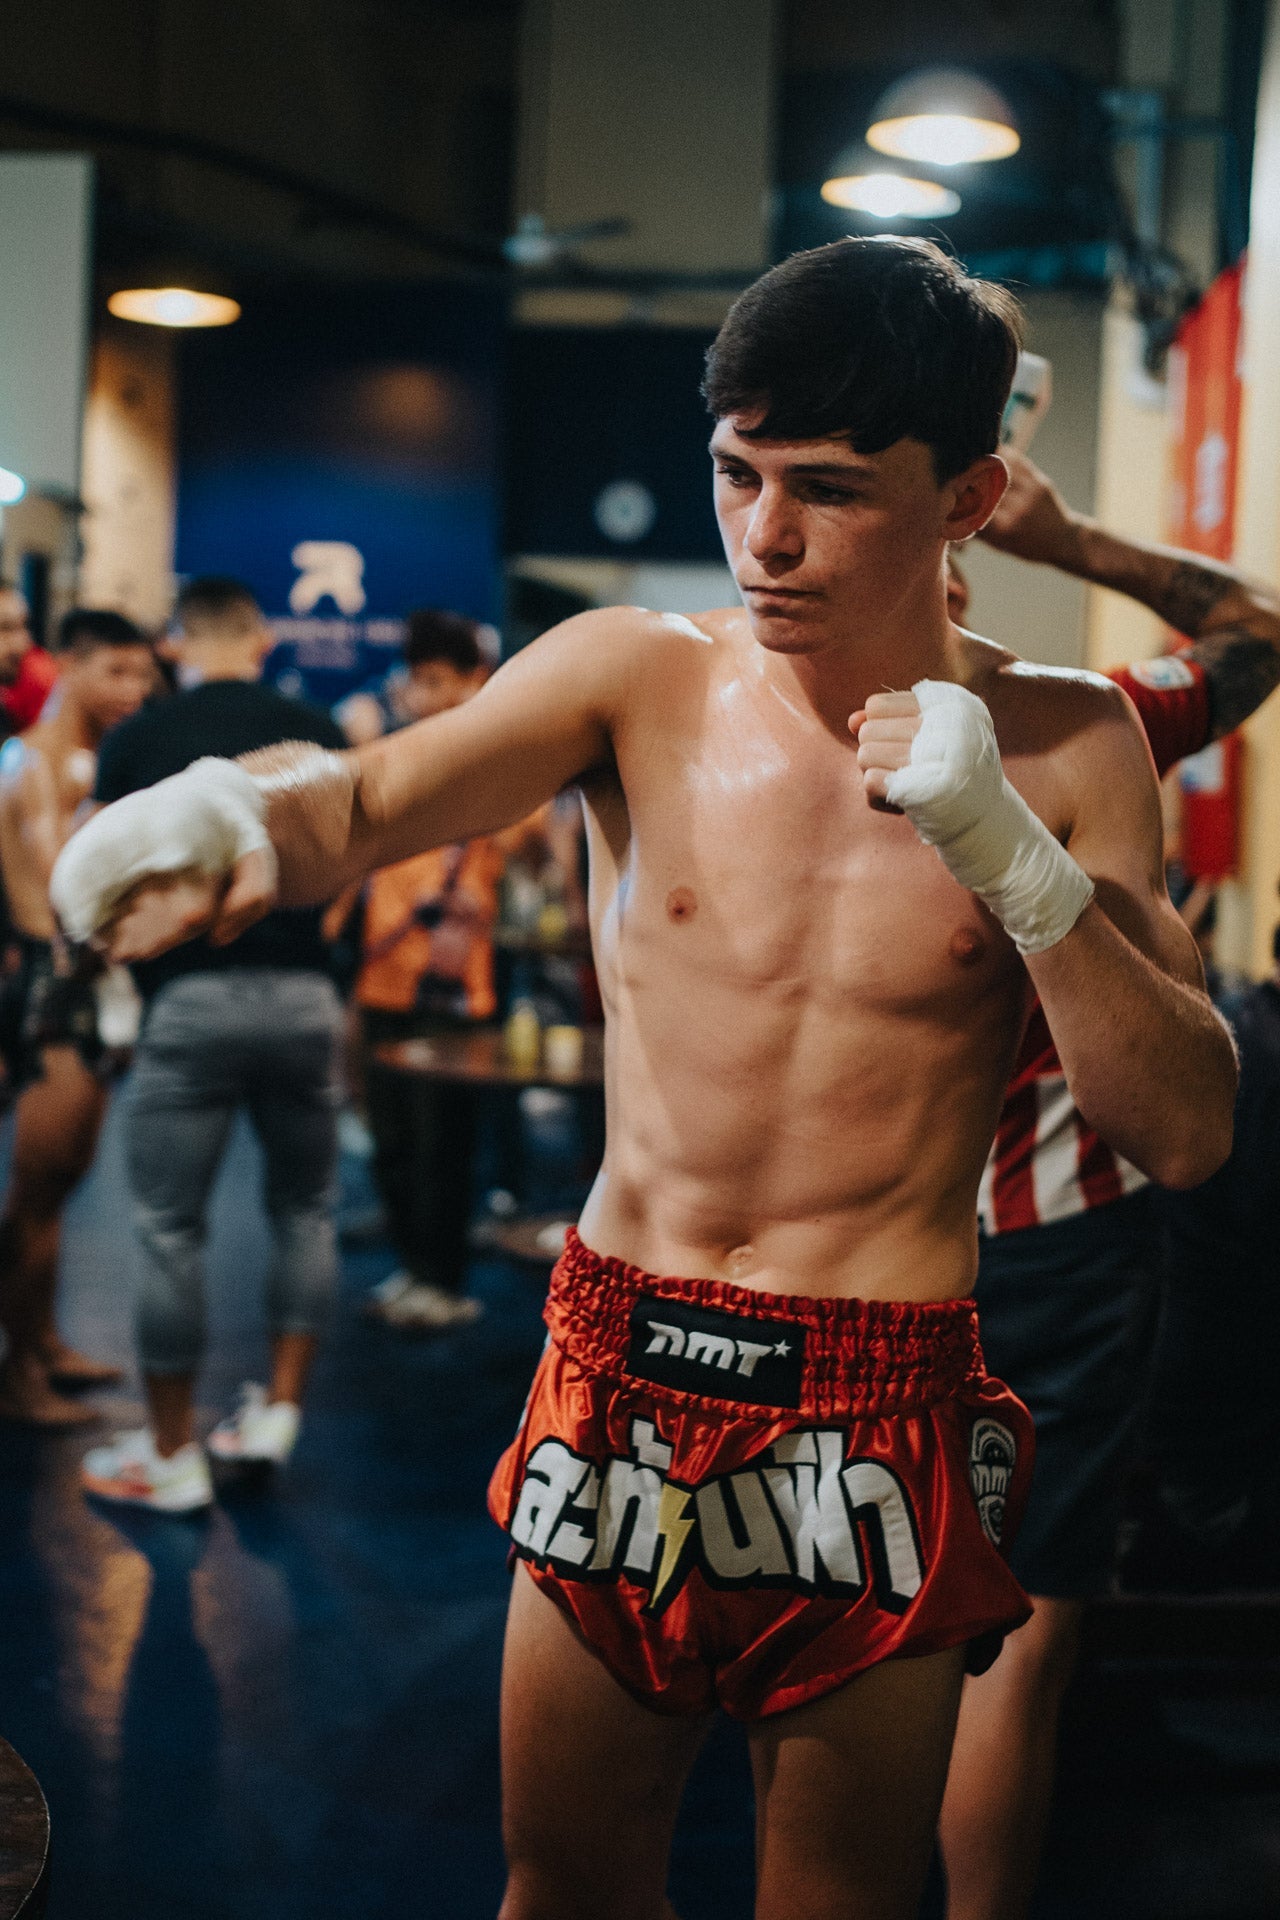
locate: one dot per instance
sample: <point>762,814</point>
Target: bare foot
<point>68,1369</point>
<point>27,1397</point>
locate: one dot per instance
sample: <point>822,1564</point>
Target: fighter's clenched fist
<point>884,730</point>
<point>932,754</point>
<point>189,855</point>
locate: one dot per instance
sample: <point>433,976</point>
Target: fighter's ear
<point>972,497</point>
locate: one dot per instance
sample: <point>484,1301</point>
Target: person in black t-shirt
<point>254,1026</point>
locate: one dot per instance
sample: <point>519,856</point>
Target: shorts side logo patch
<point>702,1350</point>
<point>993,1454</point>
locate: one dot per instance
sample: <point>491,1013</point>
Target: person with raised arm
<point>1069,1253</point>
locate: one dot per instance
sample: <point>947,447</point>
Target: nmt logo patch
<point>703,1350</point>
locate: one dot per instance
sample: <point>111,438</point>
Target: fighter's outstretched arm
<point>216,847</point>
<point>1233,622</point>
<point>542,720</point>
<point>1148,1061</point>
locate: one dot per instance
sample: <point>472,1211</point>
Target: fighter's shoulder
<point>24,766</point>
<point>1053,706</point>
<point>617,648</point>
<point>640,630</point>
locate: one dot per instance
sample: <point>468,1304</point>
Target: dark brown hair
<point>86,628</point>
<point>873,341</point>
<point>432,633</point>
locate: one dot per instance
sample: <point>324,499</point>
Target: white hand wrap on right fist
<point>205,818</point>
<point>956,796</point>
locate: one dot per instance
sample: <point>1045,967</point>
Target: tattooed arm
<point>1237,639</point>
<point>1233,623</point>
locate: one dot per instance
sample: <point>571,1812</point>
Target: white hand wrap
<point>954,792</point>
<point>207,818</point>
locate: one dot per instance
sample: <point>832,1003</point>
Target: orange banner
<point>1204,376</point>
<point>1204,379</point>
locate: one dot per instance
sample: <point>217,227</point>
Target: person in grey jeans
<point>251,1028</point>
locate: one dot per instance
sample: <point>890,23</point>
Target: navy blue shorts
<point>1066,1314</point>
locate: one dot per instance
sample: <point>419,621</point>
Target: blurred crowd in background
<point>486,937</point>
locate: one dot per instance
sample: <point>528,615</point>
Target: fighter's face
<point>15,635</point>
<point>825,542</point>
<point>110,683</point>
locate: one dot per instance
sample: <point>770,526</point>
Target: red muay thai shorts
<point>743,1499</point>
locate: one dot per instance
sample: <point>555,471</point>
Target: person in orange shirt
<point>427,962</point>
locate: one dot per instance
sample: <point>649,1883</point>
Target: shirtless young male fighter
<point>761,1482</point>
<point>48,1017</point>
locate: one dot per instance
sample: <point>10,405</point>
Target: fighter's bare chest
<point>771,870</point>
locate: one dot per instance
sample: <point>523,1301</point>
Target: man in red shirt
<point>27,672</point>
<point>15,647</point>
<point>23,701</point>
<point>1068,1263</point>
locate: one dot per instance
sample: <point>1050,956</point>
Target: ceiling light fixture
<point>890,196</point>
<point>12,487</point>
<point>173,307</point>
<point>944,117</point>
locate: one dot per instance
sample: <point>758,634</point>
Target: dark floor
<point>289,1711</point>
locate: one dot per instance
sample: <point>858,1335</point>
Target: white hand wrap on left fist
<point>956,796</point>
<point>205,819</point>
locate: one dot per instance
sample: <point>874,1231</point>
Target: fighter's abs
<point>790,979</point>
<point>782,1125</point>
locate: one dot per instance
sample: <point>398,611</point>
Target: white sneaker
<point>385,1294</point>
<point>354,1136</point>
<point>131,1471</point>
<point>260,1432</point>
<point>418,1306</point>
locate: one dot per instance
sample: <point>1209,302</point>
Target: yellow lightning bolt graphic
<point>673,1531</point>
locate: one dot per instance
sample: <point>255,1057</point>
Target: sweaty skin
<point>45,778</point>
<point>803,1074</point>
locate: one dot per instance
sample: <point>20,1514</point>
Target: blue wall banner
<point>339,453</point>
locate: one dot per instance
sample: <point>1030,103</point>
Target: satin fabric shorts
<point>743,1499</point>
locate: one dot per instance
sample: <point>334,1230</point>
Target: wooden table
<point>573,944</point>
<point>24,1839</point>
<point>481,1060</point>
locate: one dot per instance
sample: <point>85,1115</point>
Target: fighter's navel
<point>967,946</point>
<point>738,1259</point>
<point>682,903</point>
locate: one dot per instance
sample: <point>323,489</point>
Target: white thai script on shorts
<point>802,1516</point>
